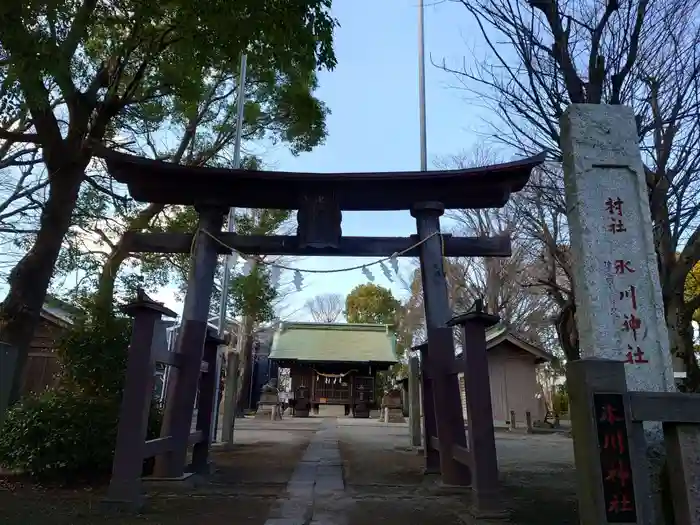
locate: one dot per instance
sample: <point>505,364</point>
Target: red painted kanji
<point>614,206</point>
<point>610,415</point>
<point>632,324</point>
<point>635,355</point>
<point>617,226</point>
<point>619,472</point>
<point>614,441</point>
<point>631,294</point>
<point>620,503</point>
<point>622,266</point>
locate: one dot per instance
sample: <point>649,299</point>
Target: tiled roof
<point>334,342</point>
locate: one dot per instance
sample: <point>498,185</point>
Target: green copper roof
<point>334,342</point>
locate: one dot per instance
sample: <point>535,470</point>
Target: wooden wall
<point>42,366</point>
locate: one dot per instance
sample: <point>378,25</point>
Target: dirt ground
<point>385,478</point>
<point>384,483</point>
<point>247,481</point>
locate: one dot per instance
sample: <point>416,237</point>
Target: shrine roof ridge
<point>337,342</point>
<point>364,327</point>
<point>157,181</point>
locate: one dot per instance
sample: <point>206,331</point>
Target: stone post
<point>619,307</point>
<point>414,401</point>
<point>229,401</point>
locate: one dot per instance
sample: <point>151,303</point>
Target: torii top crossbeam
<point>166,183</point>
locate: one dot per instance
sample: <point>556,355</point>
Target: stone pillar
<point>183,382</point>
<point>414,401</point>
<point>619,307</point>
<point>441,352</point>
<point>229,402</point>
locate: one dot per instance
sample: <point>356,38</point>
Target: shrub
<point>71,432</point>
<point>63,434</point>
<point>93,355</point>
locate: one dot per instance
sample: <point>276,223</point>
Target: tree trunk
<point>30,278</point>
<point>568,331</point>
<point>120,252</point>
<point>680,334</point>
<point>246,363</point>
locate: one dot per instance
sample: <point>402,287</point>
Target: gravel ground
<point>385,476</point>
<point>384,482</point>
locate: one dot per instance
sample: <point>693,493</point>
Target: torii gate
<point>320,199</point>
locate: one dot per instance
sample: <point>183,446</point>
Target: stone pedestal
<point>269,407</point>
<point>393,415</point>
<point>392,410</point>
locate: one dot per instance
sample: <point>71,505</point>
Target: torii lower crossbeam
<point>348,246</point>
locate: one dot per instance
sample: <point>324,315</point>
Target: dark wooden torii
<point>320,199</point>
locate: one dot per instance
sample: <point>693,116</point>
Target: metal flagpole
<point>240,103</point>
<point>421,88</point>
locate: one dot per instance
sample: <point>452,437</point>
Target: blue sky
<point>374,125</point>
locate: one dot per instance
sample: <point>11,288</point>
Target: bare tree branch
<point>325,308</point>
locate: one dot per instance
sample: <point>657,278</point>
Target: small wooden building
<point>333,363</point>
<point>42,366</point>
<point>513,376</point>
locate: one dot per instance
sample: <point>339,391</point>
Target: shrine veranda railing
<point>610,447</point>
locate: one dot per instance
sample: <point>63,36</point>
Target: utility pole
<point>421,88</point>
<point>230,259</point>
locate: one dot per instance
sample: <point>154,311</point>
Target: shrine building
<point>513,364</point>
<point>334,363</point>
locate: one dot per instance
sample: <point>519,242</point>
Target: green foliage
<point>63,434</point>
<point>373,304</point>
<point>71,432</point>
<point>370,303</point>
<point>253,295</point>
<point>560,400</point>
<point>692,289</point>
<point>99,70</point>
<point>93,355</point>
<point>250,295</point>
<point>151,48</point>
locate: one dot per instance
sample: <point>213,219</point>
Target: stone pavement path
<point>315,493</point>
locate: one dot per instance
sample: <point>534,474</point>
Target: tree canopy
<point>81,75</point>
<point>371,303</point>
